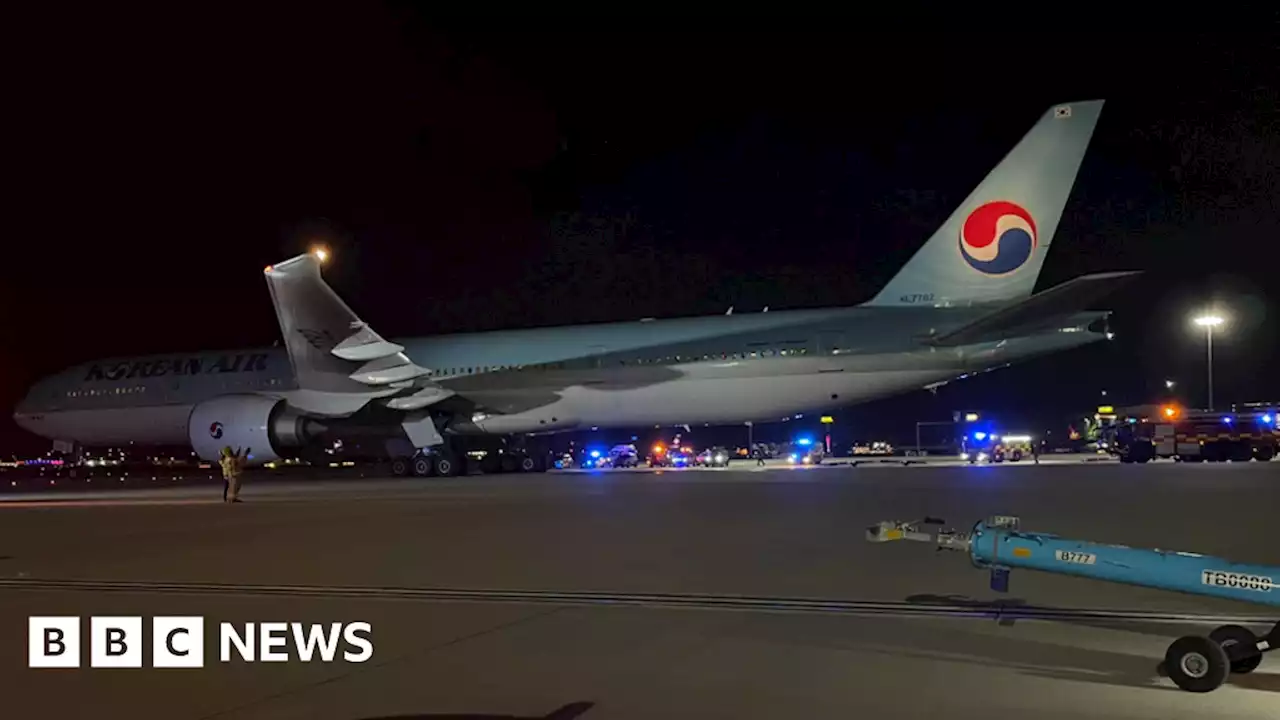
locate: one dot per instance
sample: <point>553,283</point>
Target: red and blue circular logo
<point>998,238</point>
<point>215,430</point>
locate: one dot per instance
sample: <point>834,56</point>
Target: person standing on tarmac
<point>232,467</point>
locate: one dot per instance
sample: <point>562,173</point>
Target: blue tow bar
<point>1194,663</point>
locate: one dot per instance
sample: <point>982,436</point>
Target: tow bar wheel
<point>1241,646</point>
<point>1197,664</point>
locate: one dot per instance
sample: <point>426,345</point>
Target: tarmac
<point>735,593</point>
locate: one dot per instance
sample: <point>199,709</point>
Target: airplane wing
<point>1041,311</point>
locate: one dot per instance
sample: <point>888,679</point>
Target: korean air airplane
<point>963,304</point>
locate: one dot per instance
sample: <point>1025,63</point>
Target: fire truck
<point>1244,433</point>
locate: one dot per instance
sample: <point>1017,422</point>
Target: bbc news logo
<point>179,642</point>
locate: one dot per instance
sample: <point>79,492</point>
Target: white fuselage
<point>717,370</point>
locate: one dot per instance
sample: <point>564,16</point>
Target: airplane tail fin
<point>993,246</point>
<point>331,349</point>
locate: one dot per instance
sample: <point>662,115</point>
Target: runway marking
<point>657,600</point>
<point>107,502</point>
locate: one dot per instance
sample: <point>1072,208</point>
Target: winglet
<point>327,342</point>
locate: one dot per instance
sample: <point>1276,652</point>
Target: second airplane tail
<point>993,246</point>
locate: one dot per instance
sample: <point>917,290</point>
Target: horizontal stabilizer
<point>1039,312</point>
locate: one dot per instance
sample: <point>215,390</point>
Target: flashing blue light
<point>979,436</point>
<point>804,441</point>
<point>595,453</point>
<point>1267,419</point>
<point>1133,421</point>
<point>1226,419</point>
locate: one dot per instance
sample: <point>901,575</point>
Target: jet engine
<point>266,425</point>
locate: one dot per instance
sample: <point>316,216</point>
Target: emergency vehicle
<point>996,448</point>
<point>1169,431</point>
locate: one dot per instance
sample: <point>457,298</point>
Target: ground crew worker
<point>232,466</point>
<point>759,455</point>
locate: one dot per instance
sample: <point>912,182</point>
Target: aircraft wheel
<point>421,466</point>
<point>527,464</point>
<point>400,467</point>
<point>445,465</point>
<point>1241,646</point>
<point>1196,664</point>
<point>509,463</point>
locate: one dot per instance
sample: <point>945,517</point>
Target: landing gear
<point>454,458</point>
<point>445,464</point>
<point>526,455</point>
<point>418,466</point>
<point>1202,664</point>
<point>422,466</point>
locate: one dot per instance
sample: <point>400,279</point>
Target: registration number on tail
<point>1219,578</point>
<point>1076,558</point>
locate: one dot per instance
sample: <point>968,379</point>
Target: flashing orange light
<point>1170,411</point>
<point>658,449</point>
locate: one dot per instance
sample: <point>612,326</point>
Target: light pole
<point>1209,321</point>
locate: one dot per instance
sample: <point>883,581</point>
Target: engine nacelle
<point>266,425</point>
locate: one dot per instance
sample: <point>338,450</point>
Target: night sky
<point>472,175</point>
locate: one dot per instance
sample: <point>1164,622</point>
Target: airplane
<point>962,304</point>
